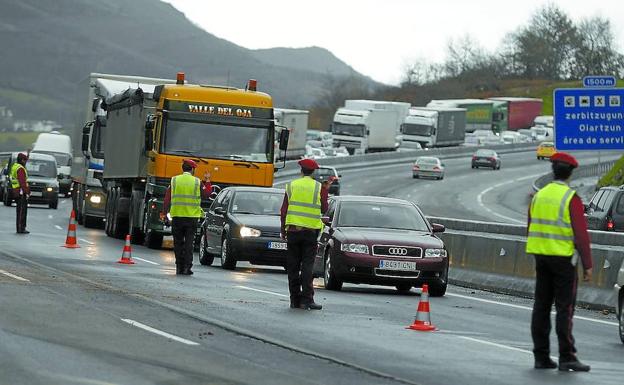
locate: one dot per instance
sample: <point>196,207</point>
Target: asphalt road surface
<point>77,317</point>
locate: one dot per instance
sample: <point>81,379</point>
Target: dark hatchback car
<point>486,158</point>
<point>323,173</point>
<point>243,224</point>
<point>381,241</point>
<point>42,180</point>
<point>605,210</point>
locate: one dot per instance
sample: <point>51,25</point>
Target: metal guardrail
<point>594,169</point>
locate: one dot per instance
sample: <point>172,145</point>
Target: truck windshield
<point>348,129</point>
<point>416,129</point>
<point>43,168</point>
<point>61,159</point>
<point>210,140</point>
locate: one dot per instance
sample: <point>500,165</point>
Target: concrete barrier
<point>491,256</point>
<point>584,171</point>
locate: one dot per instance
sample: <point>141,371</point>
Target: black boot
<point>574,366</point>
<point>311,306</point>
<point>545,364</point>
<point>186,271</point>
<point>295,302</point>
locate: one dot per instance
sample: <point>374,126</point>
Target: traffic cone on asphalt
<point>126,256</point>
<point>423,319</point>
<point>71,242</point>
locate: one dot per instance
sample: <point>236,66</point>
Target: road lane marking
<point>528,308</point>
<point>13,276</point>
<point>262,291</point>
<point>495,344</point>
<point>159,332</point>
<point>86,241</point>
<point>58,227</point>
<point>145,260</point>
<point>487,190</point>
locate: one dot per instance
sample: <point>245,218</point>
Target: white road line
<point>145,260</point>
<point>527,308</point>
<point>480,201</point>
<point>58,227</point>
<point>50,216</point>
<point>86,241</point>
<point>495,344</point>
<point>159,332</point>
<point>262,291</point>
<point>13,276</point>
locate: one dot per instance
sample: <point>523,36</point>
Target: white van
<point>59,146</point>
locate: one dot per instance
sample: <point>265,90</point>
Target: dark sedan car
<point>486,158</point>
<point>381,241</point>
<point>243,224</point>
<point>323,173</point>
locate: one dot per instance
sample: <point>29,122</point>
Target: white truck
<point>60,147</point>
<point>434,127</point>
<point>296,121</point>
<point>88,197</point>
<point>401,108</point>
<point>362,131</point>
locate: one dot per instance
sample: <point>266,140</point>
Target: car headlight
<point>246,232</point>
<point>49,189</point>
<point>354,248</point>
<point>95,199</point>
<point>435,253</point>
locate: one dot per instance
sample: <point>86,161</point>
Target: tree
<point>595,52</point>
<point>545,47</point>
<point>464,55</point>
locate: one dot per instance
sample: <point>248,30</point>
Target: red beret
<point>22,156</point>
<point>564,157</point>
<point>190,162</point>
<point>308,164</point>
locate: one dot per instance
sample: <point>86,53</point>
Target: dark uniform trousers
<point>302,247</point>
<point>21,212</point>
<point>556,281</point>
<point>183,230</point>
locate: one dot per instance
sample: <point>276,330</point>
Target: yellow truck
<point>229,132</point>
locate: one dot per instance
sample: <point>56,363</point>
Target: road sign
<point>589,118</point>
<point>599,81</point>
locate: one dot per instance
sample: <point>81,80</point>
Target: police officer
<point>557,235</point>
<point>20,191</point>
<point>304,201</point>
<point>183,202</point>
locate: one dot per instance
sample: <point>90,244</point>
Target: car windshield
<point>209,140</point>
<point>381,215</point>
<point>61,159</point>
<point>348,129</point>
<point>43,168</point>
<point>257,203</point>
<point>432,161</point>
<point>547,145</point>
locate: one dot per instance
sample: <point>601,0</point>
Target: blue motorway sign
<point>599,81</point>
<point>589,118</point>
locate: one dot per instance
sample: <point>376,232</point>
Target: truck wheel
<point>205,258</point>
<point>228,260</point>
<point>153,240</point>
<point>110,198</point>
<point>137,236</point>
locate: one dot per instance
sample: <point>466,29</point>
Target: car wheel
<point>205,258</point>
<point>403,288</point>
<point>329,275</point>
<point>539,158</point>
<point>622,319</point>
<point>228,261</point>
<point>437,289</point>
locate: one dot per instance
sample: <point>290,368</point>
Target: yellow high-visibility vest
<point>185,196</point>
<point>550,231</point>
<point>304,203</point>
<point>14,168</point>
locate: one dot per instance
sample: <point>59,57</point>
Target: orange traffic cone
<point>71,241</point>
<point>126,256</point>
<point>423,320</point>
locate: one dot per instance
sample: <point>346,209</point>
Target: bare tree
<point>595,52</point>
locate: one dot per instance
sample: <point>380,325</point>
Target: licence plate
<point>36,193</point>
<point>166,228</point>
<point>278,245</point>
<point>397,265</point>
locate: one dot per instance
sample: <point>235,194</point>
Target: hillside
<point>48,47</point>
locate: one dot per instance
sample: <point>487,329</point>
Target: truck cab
<point>420,127</point>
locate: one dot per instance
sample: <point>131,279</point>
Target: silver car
<point>428,166</point>
<point>619,295</point>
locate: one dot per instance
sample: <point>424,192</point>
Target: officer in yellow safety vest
<point>557,235</point>
<point>183,202</point>
<point>20,191</point>
<point>304,202</point>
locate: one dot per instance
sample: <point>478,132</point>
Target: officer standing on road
<point>183,202</point>
<point>21,192</point>
<point>557,231</point>
<point>304,201</point>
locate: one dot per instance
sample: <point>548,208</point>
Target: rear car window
<point>427,161</point>
<point>485,153</point>
<point>605,200</point>
<point>620,206</point>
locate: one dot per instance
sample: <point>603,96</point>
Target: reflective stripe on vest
<point>185,196</point>
<point>304,203</point>
<point>14,180</point>
<point>550,231</point>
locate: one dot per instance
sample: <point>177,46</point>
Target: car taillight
<point>436,168</point>
<point>474,157</point>
<point>415,167</point>
<point>492,159</point>
<point>610,225</point>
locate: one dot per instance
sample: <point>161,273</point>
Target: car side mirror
<point>585,207</point>
<point>219,211</point>
<point>437,228</point>
<point>326,220</point>
<point>283,139</point>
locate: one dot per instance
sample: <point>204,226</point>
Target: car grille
<point>396,273</point>
<point>270,234</point>
<point>397,251</point>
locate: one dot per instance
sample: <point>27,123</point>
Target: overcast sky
<point>379,37</point>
